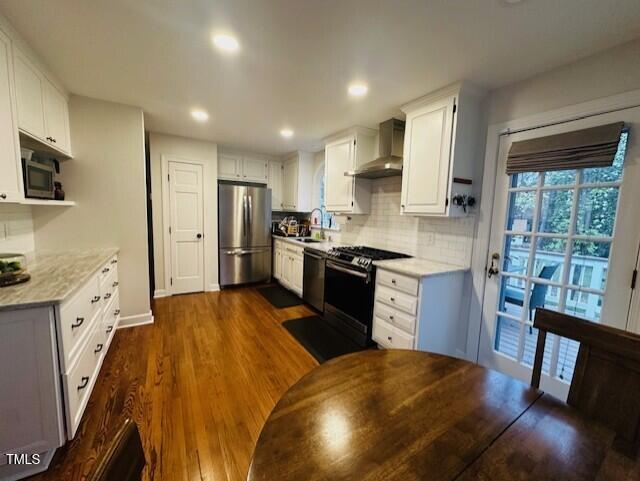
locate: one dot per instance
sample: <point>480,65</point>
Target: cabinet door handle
<point>95,299</point>
<point>3,196</point>
<point>109,329</point>
<point>390,338</point>
<point>78,323</point>
<point>107,296</point>
<point>114,261</point>
<point>105,270</point>
<point>85,381</point>
<point>98,348</point>
<point>393,281</point>
<point>49,139</point>
<point>391,318</point>
<point>53,140</point>
<point>392,299</point>
<point>115,284</point>
<point>116,312</point>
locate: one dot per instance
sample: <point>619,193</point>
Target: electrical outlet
<point>430,238</point>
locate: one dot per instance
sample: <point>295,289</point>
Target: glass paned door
<point>559,240</point>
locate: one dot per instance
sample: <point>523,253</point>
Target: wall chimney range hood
<point>391,143</point>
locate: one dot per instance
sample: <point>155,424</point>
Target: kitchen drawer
<point>79,382</point>
<point>399,300</point>
<point>398,318</point>
<point>295,250</point>
<point>108,286</point>
<point>398,281</point>
<point>110,268</point>
<point>111,317</point>
<point>389,336</point>
<point>77,318</point>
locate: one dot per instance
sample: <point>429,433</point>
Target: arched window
<point>319,197</point>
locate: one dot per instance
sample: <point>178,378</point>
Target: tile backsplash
<point>16,229</point>
<point>440,239</point>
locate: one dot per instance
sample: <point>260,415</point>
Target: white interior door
<point>186,231</point>
<point>564,240</point>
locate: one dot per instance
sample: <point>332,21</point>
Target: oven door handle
<point>337,267</point>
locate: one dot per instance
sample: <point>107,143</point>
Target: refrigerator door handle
<point>244,217</point>
<point>250,214</point>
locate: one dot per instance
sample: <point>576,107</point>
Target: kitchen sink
<point>308,240</point>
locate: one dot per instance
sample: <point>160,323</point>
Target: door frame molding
<point>480,252</point>
<point>210,243</point>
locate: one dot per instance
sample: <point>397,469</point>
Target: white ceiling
<point>298,56</point>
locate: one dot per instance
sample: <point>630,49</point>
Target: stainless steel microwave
<point>38,180</point>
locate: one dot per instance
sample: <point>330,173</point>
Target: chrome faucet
<point>321,216</point>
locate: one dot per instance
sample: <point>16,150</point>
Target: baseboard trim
<point>213,288</point>
<point>158,293</point>
<point>137,320</point>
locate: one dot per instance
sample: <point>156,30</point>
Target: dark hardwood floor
<point>199,383</point>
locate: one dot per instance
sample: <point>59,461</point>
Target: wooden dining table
<point>408,415</point>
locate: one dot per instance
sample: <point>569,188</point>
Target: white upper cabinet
<point>345,152</point>
<point>440,150</point>
<point>275,184</point>
<point>56,115</point>
<point>43,112</point>
<point>10,172</point>
<point>297,182</point>
<point>243,168</point>
<point>254,169</point>
<point>30,96</point>
<point>229,167</point>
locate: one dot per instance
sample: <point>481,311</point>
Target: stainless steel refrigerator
<point>244,228</point>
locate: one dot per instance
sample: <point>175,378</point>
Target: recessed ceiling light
<point>225,42</point>
<point>199,115</point>
<point>286,133</point>
<point>358,89</point>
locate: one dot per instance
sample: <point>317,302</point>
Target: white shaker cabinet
<point>43,112</point>
<point>242,168</point>
<point>275,184</point>
<point>289,265</point>
<point>10,171</point>
<point>254,169</point>
<point>344,152</point>
<point>229,166</point>
<point>441,150</point>
<point>297,182</point>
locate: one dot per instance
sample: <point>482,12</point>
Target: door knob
<point>493,270</point>
<point>199,236</point>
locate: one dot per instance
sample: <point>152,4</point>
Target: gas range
<point>362,256</point>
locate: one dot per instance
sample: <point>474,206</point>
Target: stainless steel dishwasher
<point>313,281</point>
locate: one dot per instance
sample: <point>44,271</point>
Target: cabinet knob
<point>390,338</point>
<point>115,284</point>
<point>391,318</point>
<point>114,261</point>
<point>105,270</point>
<point>392,299</point>
<point>393,281</point>
<point>3,196</point>
<point>199,236</point>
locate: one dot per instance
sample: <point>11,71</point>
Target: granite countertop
<point>416,267</point>
<point>55,276</point>
<point>322,246</point>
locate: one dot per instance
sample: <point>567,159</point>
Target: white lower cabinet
<point>289,265</point>
<point>52,357</point>
<point>420,313</point>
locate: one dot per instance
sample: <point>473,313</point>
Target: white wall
<point>107,180</point>
<point>182,148</point>
<point>611,72</point>
<point>16,229</point>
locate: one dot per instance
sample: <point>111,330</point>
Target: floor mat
<point>320,339</point>
<point>279,297</point>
